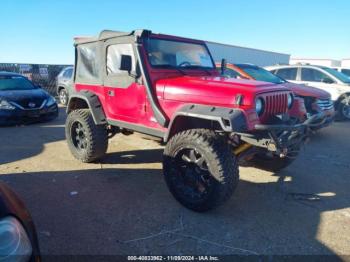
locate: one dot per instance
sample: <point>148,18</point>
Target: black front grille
<point>30,103</point>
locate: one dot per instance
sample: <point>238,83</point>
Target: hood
<point>303,90</point>
<point>213,90</point>
<point>24,97</point>
<point>342,88</point>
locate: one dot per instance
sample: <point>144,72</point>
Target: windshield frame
<point>183,68</point>
<point>11,77</point>
<point>258,68</point>
<point>336,74</point>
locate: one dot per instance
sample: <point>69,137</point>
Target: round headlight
<point>290,100</point>
<point>259,106</point>
<point>14,241</point>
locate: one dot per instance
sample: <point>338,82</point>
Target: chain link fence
<point>40,74</point>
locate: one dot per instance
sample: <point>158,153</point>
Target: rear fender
<point>86,99</point>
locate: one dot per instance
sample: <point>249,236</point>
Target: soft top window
<point>88,63</point>
<point>114,54</point>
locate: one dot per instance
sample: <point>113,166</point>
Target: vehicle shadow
<point>130,211</point>
<point>145,156</point>
<point>21,142</point>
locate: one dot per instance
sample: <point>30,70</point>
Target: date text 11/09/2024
<point>173,258</point>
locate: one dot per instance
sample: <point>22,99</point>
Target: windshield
<point>340,76</point>
<point>261,74</point>
<point>175,54</point>
<point>15,83</point>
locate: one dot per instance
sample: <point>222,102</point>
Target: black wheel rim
<point>191,177</point>
<point>79,136</point>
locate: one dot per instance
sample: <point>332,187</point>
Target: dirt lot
<point>122,205</point>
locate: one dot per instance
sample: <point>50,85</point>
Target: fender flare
<point>230,119</point>
<point>93,103</point>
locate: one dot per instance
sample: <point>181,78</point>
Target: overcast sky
<point>42,31</point>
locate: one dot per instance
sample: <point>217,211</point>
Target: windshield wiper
<point>199,68</point>
<point>167,66</point>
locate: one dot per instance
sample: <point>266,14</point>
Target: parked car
<point>345,71</point>
<point>168,88</point>
<point>330,80</point>
<point>64,84</point>
<point>18,237</point>
<point>317,101</point>
<point>22,102</point>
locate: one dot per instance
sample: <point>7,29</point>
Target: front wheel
<point>63,96</point>
<point>200,170</point>
<point>344,109</point>
<point>87,141</point>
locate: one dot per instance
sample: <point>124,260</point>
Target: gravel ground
<point>122,205</point>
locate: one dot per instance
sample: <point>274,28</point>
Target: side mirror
<point>327,81</point>
<point>126,63</point>
<point>223,66</point>
<point>39,86</point>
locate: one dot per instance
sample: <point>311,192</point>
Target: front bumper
<point>324,121</point>
<point>280,138</point>
<point>19,116</point>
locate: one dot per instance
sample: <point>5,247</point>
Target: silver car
<point>64,84</point>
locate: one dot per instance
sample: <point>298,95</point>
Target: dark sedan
<point>23,102</point>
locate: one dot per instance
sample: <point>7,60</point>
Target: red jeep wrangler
<point>167,87</point>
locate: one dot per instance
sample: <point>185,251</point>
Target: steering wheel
<point>185,63</point>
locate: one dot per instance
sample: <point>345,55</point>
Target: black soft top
<point>107,34</point>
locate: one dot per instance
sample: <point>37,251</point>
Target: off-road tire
<point>222,171</point>
<point>63,96</point>
<point>96,136</point>
<point>344,103</point>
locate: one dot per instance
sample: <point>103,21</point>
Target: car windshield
<point>261,74</point>
<point>15,83</point>
<point>340,76</point>
<point>176,54</point>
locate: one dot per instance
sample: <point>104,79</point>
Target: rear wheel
<point>87,142</point>
<point>63,96</point>
<point>200,169</point>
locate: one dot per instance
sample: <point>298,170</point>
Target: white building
<point>345,63</point>
<point>316,61</point>
<point>238,54</point>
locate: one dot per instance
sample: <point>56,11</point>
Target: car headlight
<point>50,101</point>
<point>290,100</point>
<point>14,241</point>
<point>4,105</point>
<point>259,106</point>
